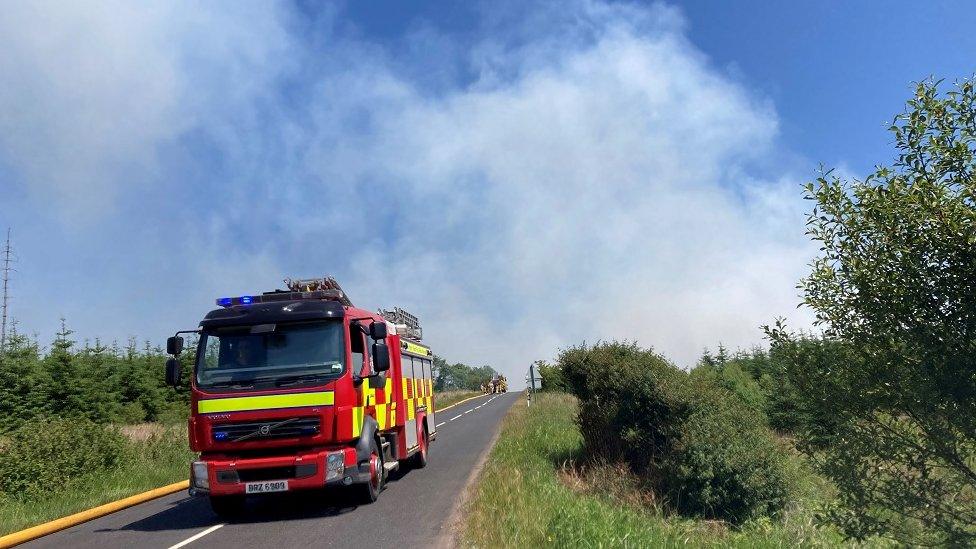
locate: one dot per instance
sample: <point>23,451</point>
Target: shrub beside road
<point>540,488</point>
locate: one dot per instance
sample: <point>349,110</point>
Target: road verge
<point>449,536</point>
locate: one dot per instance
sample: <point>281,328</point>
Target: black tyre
<point>227,506</point>
<point>370,490</point>
<point>420,458</point>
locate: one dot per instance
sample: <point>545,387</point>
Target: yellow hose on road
<point>71,520</point>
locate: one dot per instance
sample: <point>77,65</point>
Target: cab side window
<point>358,346</point>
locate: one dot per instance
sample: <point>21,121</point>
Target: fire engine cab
<point>298,389</point>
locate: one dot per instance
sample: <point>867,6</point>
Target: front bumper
<point>303,470</point>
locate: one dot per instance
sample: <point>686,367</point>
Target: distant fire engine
<point>284,395</point>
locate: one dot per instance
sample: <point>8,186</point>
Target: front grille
<point>304,470</point>
<point>263,430</point>
<point>270,473</point>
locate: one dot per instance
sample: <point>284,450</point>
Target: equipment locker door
<point>428,383</point>
<point>411,423</point>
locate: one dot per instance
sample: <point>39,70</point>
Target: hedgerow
<point>709,454</point>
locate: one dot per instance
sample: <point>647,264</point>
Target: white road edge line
<point>191,539</point>
<point>468,411</point>
<point>439,424</point>
<point>455,417</point>
<point>476,407</point>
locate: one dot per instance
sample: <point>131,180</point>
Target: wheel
<point>420,458</point>
<point>370,490</point>
<point>227,506</point>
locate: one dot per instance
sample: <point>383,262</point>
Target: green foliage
<point>534,492</point>
<point>889,396</point>
<point>156,461</point>
<point>732,374</point>
<point>552,377</point>
<point>694,441</point>
<point>22,385</point>
<point>724,461</point>
<point>94,382</point>
<point>459,376</point>
<point>42,454</point>
<point>759,379</point>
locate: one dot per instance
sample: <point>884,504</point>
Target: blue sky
<point>522,176</point>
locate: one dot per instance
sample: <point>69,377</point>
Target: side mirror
<point>377,331</point>
<point>377,381</point>
<point>381,357</point>
<point>174,345</point>
<point>174,372</point>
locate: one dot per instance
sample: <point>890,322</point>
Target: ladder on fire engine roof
<point>326,284</point>
<point>406,323</point>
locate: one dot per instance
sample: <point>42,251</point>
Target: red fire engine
<point>298,389</point>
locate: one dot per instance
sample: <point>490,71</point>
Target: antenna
<point>6,296</point>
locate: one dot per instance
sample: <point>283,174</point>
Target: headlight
<point>199,475</point>
<point>335,465</point>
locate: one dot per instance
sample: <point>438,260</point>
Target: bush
<point>174,413</point>
<point>552,377</point>
<point>627,400</point>
<point>761,381</point>
<point>724,461</point>
<point>693,440</point>
<point>42,454</point>
<point>736,380</point>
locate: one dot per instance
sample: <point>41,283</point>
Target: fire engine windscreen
<point>269,356</point>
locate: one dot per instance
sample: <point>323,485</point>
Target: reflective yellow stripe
<point>357,420</point>
<point>240,404</point>
<point>414,348</point>
<point>381,416</point>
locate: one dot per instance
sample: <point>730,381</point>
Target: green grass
<point>161,459</point>
<point>446,398</point>
<point>531,494</point>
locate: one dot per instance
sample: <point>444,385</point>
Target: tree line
<point>459,376</point>
<point>101,383</point>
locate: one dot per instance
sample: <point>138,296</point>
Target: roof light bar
<point>332,295</point>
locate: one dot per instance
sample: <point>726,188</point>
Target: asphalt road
<point>415,509</point>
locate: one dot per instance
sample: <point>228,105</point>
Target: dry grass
<point>443,399</point>
<point>605,479</point>
<point>141,432</point>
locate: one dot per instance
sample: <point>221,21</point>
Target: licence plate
<point>265,487</point>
